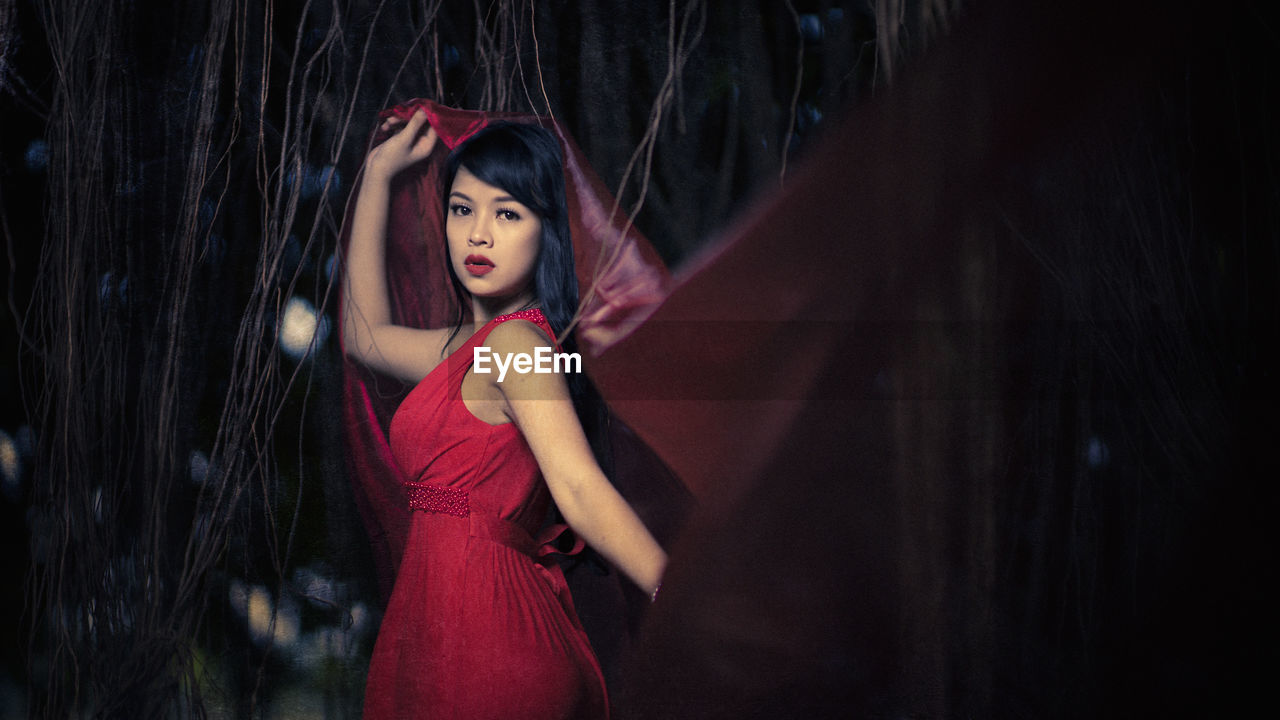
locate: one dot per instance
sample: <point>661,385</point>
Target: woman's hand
<point>406,147</point>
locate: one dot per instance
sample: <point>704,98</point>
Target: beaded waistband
<point>438,499</point>
<point>456,502</point>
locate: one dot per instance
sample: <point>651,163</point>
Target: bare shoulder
<point>525,363</point>
<point>516,336</point>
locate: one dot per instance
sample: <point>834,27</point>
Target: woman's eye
<point>509,215</point>
<point>460,210</point>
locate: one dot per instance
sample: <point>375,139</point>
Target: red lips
<point>478,265</point>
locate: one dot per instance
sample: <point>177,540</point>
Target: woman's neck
<point>485,309</point>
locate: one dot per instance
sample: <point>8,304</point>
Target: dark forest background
<point>179,531</point>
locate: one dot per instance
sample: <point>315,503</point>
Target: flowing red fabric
<point>621,278</point>
<point>835,379</point>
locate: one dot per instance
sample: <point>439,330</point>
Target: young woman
<point>480,623</point>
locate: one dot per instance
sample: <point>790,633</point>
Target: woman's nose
<point>480,233</point>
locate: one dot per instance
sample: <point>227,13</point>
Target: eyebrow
<point>500,199</point>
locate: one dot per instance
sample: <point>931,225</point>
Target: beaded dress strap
<point>533,315</point>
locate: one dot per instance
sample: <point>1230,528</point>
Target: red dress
<point>480,623</point>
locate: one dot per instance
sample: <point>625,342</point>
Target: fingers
<point>404,145</point>
<point>425,144</point>
<point>416,122</point>
<point>418,145</point>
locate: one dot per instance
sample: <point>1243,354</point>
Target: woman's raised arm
<point>367,333</point>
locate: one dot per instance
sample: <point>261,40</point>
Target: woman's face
<point>493,239</point>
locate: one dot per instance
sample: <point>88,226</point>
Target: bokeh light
<point>199,464</point>
<point>302,328</point>
<point>10,466</point>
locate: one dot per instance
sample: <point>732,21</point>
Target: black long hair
<point>525,161</point>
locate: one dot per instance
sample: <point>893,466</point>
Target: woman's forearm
<point>607,522</point>
<point>367,333</point>
<point>366,306</point>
